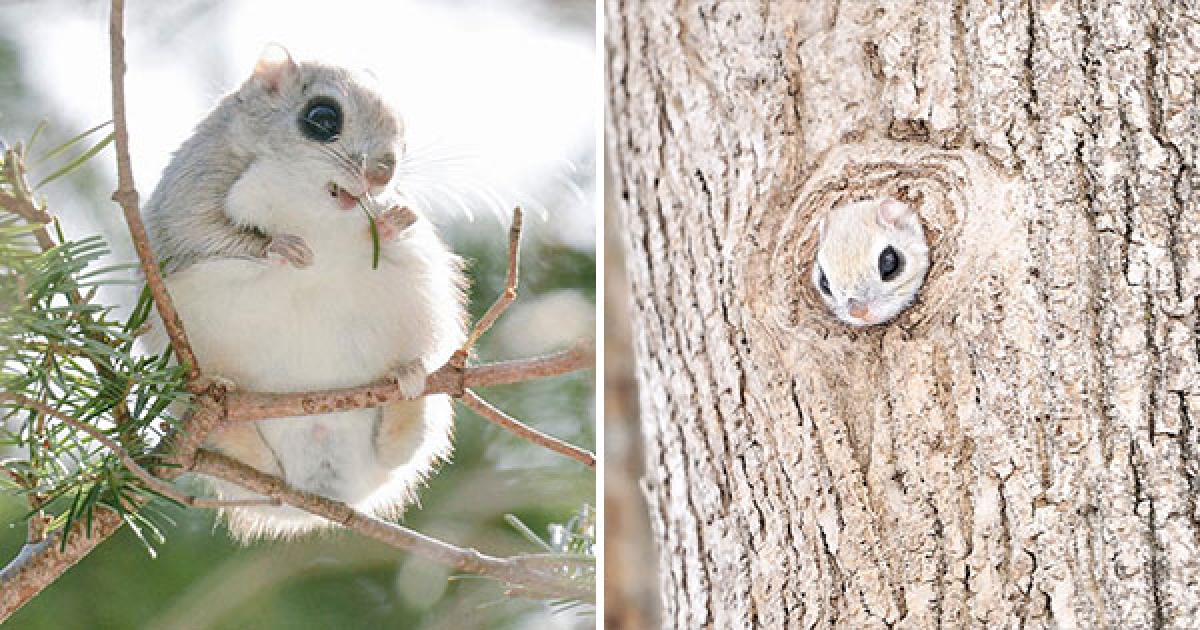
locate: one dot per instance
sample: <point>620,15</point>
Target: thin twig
<point>152,482</point>
<point>37,521</point>
<point>39,526</point>
<point>127,196</point>
<point>24,208</point>
<point>528,576</point>
<point>250,406</point>
<point>21,203</point>
<point>16,478</point>
<point>495,416</point>
<point>510,287</point>
<point>580,356</point>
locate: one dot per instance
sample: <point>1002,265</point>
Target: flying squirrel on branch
<point>269,257</point>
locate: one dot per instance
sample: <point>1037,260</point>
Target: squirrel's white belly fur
<point>337,323</point>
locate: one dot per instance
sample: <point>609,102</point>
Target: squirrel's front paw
<point>288,249</point>
<point>410,378</point>
<point>393,221</point>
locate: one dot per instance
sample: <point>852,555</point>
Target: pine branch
<point>20,200</point>
<point>152,482</point>
<point>23,207</point>
<point>39,565</point>
<point>531,575</point>
<point>21,203</point>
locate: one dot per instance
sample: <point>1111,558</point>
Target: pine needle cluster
<point>63,349</point>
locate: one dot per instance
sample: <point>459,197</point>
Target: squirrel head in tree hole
<point>871,260</point>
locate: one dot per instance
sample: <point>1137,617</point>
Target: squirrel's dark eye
<point>890,263</point>
<point>321,120</point>
<point>823,282</point>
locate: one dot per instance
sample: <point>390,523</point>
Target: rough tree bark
<point>1021,447</point>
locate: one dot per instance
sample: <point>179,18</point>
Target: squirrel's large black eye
<point>890,263</point>
<point>823,282</point>
<point>321,120</point>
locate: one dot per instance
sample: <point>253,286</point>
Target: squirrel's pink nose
<point>858,309</point>
<point>380,173</point>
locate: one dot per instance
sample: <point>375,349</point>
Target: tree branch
<point>38,565</point>
<point>530,574</point>
<point>20,201</point>
<point>127,196</point>
<point>23,207</point>
<point>510,287</point>
<point>216,407</point>
<point>580,356</point>
<point>22,204</point>
<point>495,416</point>
<point>152,482</point>
<point>448,379</point>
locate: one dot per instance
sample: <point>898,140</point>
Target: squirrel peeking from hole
<point>871,262</point>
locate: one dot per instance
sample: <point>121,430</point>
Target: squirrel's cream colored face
<point>871,261</point>
<point>337,134</point>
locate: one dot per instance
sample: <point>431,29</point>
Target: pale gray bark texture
<point>1021,448</point>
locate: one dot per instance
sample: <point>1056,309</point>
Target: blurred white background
<point>492,93</point>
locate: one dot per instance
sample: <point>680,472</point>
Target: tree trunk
<point>630,575</point>
<point>1017,449</point>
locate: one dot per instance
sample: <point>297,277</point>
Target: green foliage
<point>61,346</point>
<point>78,160</point>
<point>575,537</point>
<point>373,223</point>
<point>63,349</point>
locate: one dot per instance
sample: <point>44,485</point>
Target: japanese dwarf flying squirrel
<point>270,264</point>
<point>871,261</point>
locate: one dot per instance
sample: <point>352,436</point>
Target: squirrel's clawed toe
<point>410,378</point>
<point>394,221</point>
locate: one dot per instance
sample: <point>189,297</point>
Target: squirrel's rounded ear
<point>897,214</point>
<point>274,65</point>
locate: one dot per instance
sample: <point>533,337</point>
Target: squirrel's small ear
<point>274,65</point>
<point>897,214</point>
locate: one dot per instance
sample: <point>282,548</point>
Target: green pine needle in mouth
<point>372,220</point>
<point>375,244</point>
